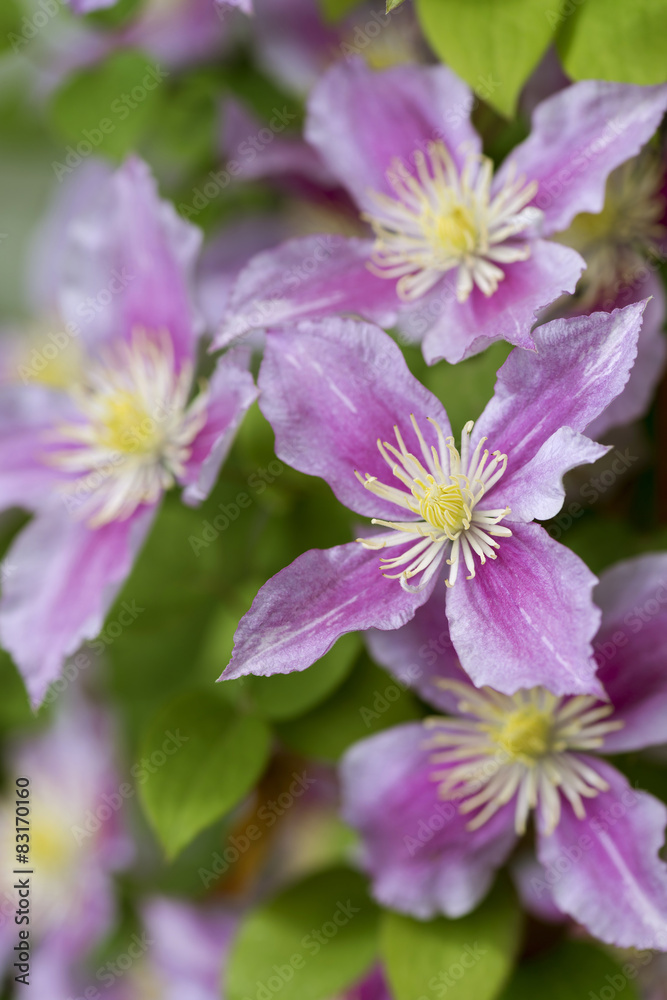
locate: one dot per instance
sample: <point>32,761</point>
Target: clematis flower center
<point>629,228</point>
<point>134,430</point>
<point>526,734</point>
<point>524,747</point>
<point>443,219</point>
<point>444,507</point>
<point>443,488</point>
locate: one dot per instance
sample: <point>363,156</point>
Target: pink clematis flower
<point>92,460</point>
<point>344,406</point>
<point>441,804</point>
<point>459,255</point>
<point>77,841</point>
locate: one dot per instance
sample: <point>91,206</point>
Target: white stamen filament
<point>442,219</point>
<point>135,431</point>
<point>524,747</point>
<point>445,488</point>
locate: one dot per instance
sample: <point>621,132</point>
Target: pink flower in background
<point>77,839</point>
<point>344,406</point>
<point>459,256</point>
<point>92,459</point>
<point>440,804</point>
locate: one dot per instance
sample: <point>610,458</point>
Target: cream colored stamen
<point>442,220</point>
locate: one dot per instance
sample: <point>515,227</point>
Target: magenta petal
<point>360,120</point>
<point>527,618</point>
<point>578,137</point>
<point>130,265</point>
<point>298,615</point>
<point>581,364</point>
<point>421,857</point>
<point>331,389</point>
<point>636,397</point>
<point>305,278</point>
<point>64,577</point>
<point>610,877</point>
<point>631,650</point>
<point>454,330</point>
<point>421,652</point>
<point>231,392</point>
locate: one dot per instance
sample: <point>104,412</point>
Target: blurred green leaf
<point>475,953</point>
<point>493,44</point>
<point>285,696</point>
<point>215,757</point>
<point>572,970</point>
<point>465,388</point>
<point>16,32</point>
<point>105,108</point>
<point>315,939</point>
<point>336,10</point>
<point>615,40</point>
<point>368,701</point>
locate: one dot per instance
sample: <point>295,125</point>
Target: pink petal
<point>298,615</point>
<point>416,847</point>
<point>64,579</point>
<point>611,879</point>
<point>331,389</point>
<point>527,618</point>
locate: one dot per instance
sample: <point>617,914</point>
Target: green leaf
<point>104,109</point>
<point>311,942</point>
<point>573,969</point>
<point>493,44</point>
<point>285,696</point>
<point>367,702</point>
<point>476,952</point>
<point>615,40</point>
<point>335,10</point>
<point>198,760</point>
